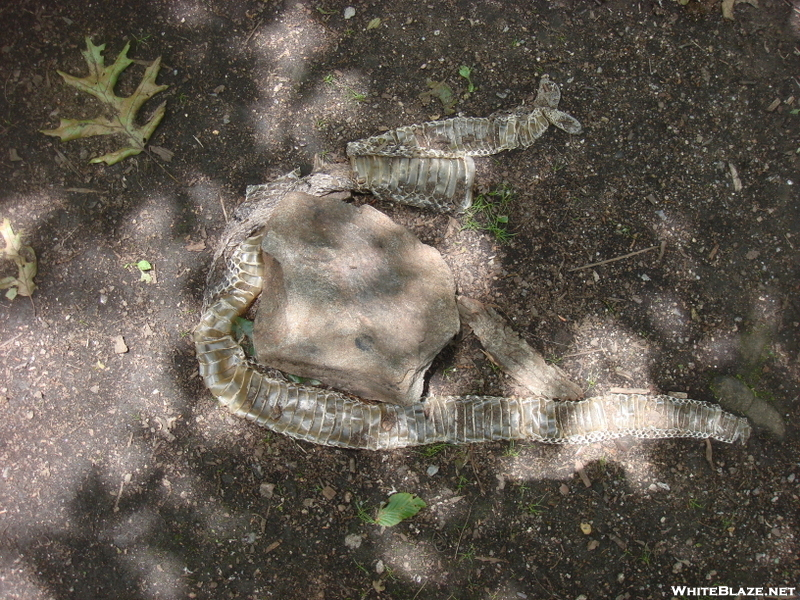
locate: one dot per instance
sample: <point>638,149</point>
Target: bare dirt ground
<point>120,477</point>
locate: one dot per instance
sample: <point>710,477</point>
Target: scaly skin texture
<point>430,166</point>
<point>333,419</point>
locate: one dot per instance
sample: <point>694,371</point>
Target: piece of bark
<point>513,354</point>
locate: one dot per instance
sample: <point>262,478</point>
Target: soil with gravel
<point>121,478</point>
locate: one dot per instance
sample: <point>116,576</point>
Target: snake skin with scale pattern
<point>429,166</point>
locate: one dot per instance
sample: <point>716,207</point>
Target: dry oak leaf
<point>25,259</point>
<point>121,112</point>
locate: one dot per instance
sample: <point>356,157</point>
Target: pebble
<point>352,541</point>
<point>266,490</point>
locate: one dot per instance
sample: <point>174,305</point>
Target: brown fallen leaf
<point>196,246</point>
<point>490,559</point>
<point>119,116</point>
<point>162,153</point>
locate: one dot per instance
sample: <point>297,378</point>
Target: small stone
<point>120,347</point>
<point>352,541</point>
<point>349,12</point>
<point>752,255</point>
<point>328,492</point>
<point>432,470</point>
<point>267,490</point>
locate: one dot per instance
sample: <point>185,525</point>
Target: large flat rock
<point>352,299</point>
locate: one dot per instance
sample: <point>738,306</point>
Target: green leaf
<point>242,327</point>
<point>302,380</point>
<point>374,24</point>
<point>466,73</point>
<point>144,265</point>
<point>401,506</point>
<point>121,112</point>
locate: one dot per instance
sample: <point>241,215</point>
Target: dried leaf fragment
<point>727,6</point>
<point>121,118</point>
<point>25,259</point>
<point>439,90</point>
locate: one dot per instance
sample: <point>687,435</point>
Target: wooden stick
<point>224,212</point>
<point>615,259</point>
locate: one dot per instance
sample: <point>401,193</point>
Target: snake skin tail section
<point>429,165</point>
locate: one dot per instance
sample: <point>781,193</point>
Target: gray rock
<point>352,299</point>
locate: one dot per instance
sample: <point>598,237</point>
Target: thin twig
<point>582,352</point>
<point>475,470</point>
<point>7,342</point>
<point>466,522</point>
<point>615,259</point>
<point>424,583</point>
<point>252,31</point>
<point>224,212</point>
